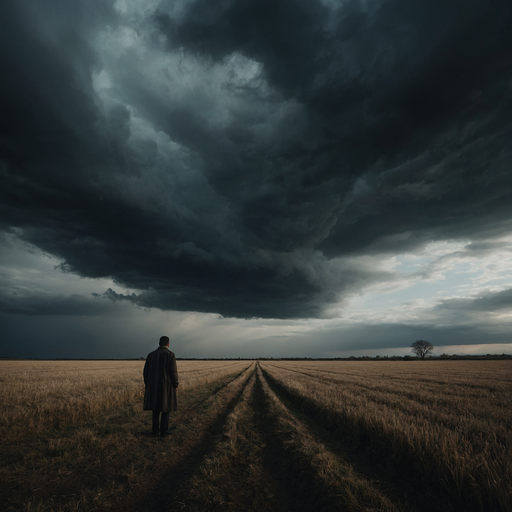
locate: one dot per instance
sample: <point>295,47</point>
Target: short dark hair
<point>164,340</point>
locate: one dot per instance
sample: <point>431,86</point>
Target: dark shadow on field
<point>185,412</point>
<point>297,491</point>
<point>408,489</point>
<point>161,496</point>
<point>220,388</point>
<point>145,431</point>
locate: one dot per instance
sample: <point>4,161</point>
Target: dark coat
<point>161,380</point>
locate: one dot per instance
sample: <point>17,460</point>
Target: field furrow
<point>112,461</point>
<point>468,465</point>
<point>240,472</point>
<point>480,396</point>
<point>258,436</point>
<point>193,437</point>
<point>248,467</point>
<point>329,482</point>
<point>488,418</point>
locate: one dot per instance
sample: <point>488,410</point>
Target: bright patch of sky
<point>419,281</point>
<point>27,271</point>
<point>442,270</point>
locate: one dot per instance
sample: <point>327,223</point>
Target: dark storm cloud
<point>54,305</point>
<point>229,152</point>
<point>488,301</point>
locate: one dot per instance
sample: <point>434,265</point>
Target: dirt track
<point>243,442</point>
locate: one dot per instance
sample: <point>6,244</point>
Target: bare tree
<point>422,348</point>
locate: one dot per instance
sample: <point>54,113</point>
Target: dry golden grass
<point>221,481</point>
<point>261,434</point>
<point>447,421</point>
<point>342,487</point>
<point>41,394</point>
<point>108,460</point>
<point>412,436</point>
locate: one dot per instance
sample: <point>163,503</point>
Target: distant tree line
<point>351,358</point>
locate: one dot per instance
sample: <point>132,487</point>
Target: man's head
<point>164,341</point>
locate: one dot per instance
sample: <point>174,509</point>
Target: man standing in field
<point>161,381</point>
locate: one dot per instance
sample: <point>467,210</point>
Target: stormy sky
<point>255,177</point>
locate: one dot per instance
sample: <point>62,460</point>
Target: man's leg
<point>156,417</point>
<point>164,424</point>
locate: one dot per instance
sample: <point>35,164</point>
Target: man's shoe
<point>156,434</point>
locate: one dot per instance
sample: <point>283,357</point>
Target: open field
<point>268,435</point>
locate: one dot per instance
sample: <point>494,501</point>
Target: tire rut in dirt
<point>335,483</point>
<point>110,459</point>
<point>244,471</point>
<point>408,491</point>
<point>164,490</point>
<point>218,390</point>
<point>296,489</point>
<point>231,477</point>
